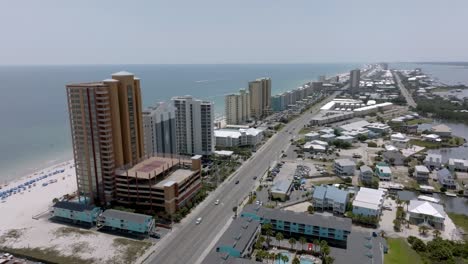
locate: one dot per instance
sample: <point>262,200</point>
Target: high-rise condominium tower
<point>194,126</point>
<point>107,132</point>
<point>354,78</point>
<point>237,107</point>
<point>260,97</point>
<point>159,129</point>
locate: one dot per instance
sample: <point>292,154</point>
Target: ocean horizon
<point>33,108</point>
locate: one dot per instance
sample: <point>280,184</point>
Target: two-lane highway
<point>189,241</point>
<point>409,99</point>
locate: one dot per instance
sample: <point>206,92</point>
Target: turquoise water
<point>306,260</point>
<point>284,254</point>
<point>33,110</point>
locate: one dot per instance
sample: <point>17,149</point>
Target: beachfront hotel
<point>159,129</point>
<point>260,97</point>
<point>237,108</point>
<point>159,183</point>
<point>194,126</point>
<point>107,132</point>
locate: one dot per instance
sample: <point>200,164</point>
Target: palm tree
<point>261,254</point>
<point>436,232</point>
<point>328,260</point>
<point>316,243</point>
<point>422,229</point>
<point>272,256</point>
<point>278,256</point>
<point>285,259</point>
<point>326,251</point>
<point>279,237</point>
<point>292,241</point>
<point>296,261</point>
<point>323,244</point>
<point>302,240</point>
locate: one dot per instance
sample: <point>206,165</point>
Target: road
<point>409,99</point>
<point>188,242</point>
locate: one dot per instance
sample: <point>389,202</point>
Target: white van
<point>199,219</point>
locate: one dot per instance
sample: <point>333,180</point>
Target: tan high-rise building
<point>107,132</point>
<point>260,97</point>
<point>237,108</point>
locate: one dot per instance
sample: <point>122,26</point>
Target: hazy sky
<point>231,31</point>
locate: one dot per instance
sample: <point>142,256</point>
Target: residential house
<point>442,130</point>
<point>311,136</point>
<point>399,140</point>
<point>446,179</point>
<point>348,139</point>
<point>328,137</point>
<point>368,202</point>
<point>383,171</point>
<point>426,213</point>
<point>344,167</point>
<point>76,213</point>
<point>433,160</point>
<point>366,174</point>
<point>394,157</point>
<point>431,138</point>
<point>331,198</point>
<point>458,164</point>
<point>421,173</point>
<point>126,222</point>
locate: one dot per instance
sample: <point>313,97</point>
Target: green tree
<point>423,229</point>
<point>419,245</point>
<point>302,241</point>
<point>285,258</point>
<point>328,260</point>
<point>296,260</point>
<point>279,236</point>
<point>234,209</point>
<point>316,243</point>
<point>310,209</point>
<point>292,242</point>
<point>436,233</point>
<point>323,244</point>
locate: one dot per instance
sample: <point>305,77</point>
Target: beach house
<point>383,171</point>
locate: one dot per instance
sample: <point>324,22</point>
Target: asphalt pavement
<point>189,242</point>
<point>404,91</point>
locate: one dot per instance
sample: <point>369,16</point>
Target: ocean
<point>445,73</point>
<point>33,112</point>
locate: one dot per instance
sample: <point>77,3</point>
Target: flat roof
<point>128,216</point>
<point>177,176</point>
<point>283,180</point>
<point>73,206</point>
<point>150,167</point>
<point>345,162</point>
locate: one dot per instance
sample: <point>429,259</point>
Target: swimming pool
<point>284,253</point>
<point>306,260</point>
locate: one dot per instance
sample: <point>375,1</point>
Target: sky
<point>236,31</point>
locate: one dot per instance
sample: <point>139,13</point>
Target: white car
<point>216,202</point>
<point>199,219</point>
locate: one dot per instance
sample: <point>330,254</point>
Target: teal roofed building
<point>126,222</point>
<point>76,213</point>
<point>383,171</point>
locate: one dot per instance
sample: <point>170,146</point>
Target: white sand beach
<point>17,211</point>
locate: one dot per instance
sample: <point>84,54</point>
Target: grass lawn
<point>399,252</point>
<point>419,121</point>
<point>305,130</point>
<point>460,220</point>
<point>426,144</point>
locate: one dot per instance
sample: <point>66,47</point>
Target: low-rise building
<point>379,128</point>
<point>421,173</point>
<point>458,164</point>
<point>426,213</point>
<point>348,139</point>
<point>283,181</point>
<point>127,222</point>
<point>431,138</point>
<point>433,160</point>
<point>383,171</point>
<point>327,197</point>
<point>159,183</point>
<point>366,174</point>
<point>76,213</point>
<point>442,130</point>
<point>344,167</point>
<point>368,202</point>
<point>328,137</point>
<point>311,136</point>
<point>310,147</point>
<point>334,230</point>
<point>399,140</point>
<point>446,179</point>
<point>238,137</point>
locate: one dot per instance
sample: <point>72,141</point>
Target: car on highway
<point>199,219</point>
<point>217,202</point>
<point>237,182</point>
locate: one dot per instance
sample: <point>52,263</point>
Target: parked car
<point>199,219</point>
<point>217,202</point>
<point>237,182</point>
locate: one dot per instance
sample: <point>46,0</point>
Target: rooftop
<point>421,169</point>
<point>236,133</point>
<point>178,176</point>
<point>150,167</point>
<point>122,73</point>
<point>345,162</point>
<point>283,180</point>
<point>73,206</point>
<point>426,208</point>
<point>441,128</point>
<point>127,216</point>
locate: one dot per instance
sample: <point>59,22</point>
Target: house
<point>309,146</point>
<point>311,136</point>
<point>319,142</point>
<point>76,213</point>
<point>348,139</point>
<point>368,202</point>
<point>327,137</point>
<point>365,174</point>
<point>378,128</point>
<point>458,164</point>
<point>383,171</point>
<point>331,198</point>
<point>327,131</point>
<point>446,179</point>
<point>442,130</point>
<point>426,213</point>
<point>421,173</point>
<point>393,157</point>
<point>433,160</point>
<point>431,138</point>
<point>126,222</point>
<point>282,183</point>
<point>344,167</point>
<point>399,140</point>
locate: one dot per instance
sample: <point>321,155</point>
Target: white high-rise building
<point>237,108</point>
<point>159,127</point>
<point>194,126</point>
